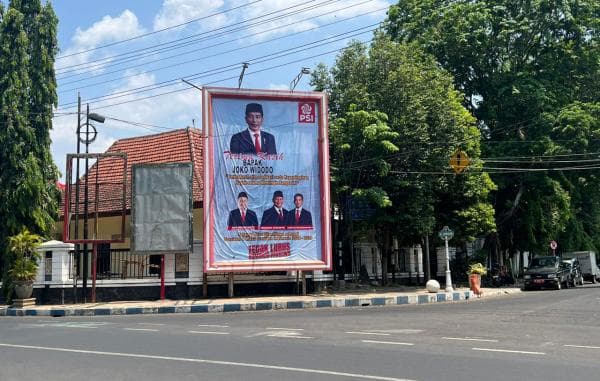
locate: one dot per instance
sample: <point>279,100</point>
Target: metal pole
<point>304,283</point>
<point>94,260</point>
<point>85,204</point>
<point>162,277</point>
<point>76,254</point>
<point>230,284</point>
<point>448,276</point>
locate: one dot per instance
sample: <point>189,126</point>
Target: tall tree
<point>428,123</point>
<point>28,194</point>
<point>520,64</point>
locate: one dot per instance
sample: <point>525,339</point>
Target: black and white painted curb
<point>200,307</point>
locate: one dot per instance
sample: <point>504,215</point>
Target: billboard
<point>266,194</point>
<point>161,208</point>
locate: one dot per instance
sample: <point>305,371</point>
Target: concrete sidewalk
<point>382,296</point>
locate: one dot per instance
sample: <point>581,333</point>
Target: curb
<point>317,302</point>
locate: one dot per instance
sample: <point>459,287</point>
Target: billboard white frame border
<point>208,160</point>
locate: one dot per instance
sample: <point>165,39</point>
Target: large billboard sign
<point>161,208</point>
<point>266,194</point>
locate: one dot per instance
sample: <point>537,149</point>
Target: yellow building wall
<point>109,227</point>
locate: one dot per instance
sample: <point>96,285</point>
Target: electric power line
<point>157,31</point>
<point>165,45</point>
<point>255,60</point>
<point>203,57</point>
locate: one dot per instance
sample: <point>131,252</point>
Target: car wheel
<point>594,281</point>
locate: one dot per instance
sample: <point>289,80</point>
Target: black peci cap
<point>242,194</point>
<point>277,194</point>
<point>254,107</point>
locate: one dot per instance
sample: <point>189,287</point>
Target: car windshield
<point>543,262</point>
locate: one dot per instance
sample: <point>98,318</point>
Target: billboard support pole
<point>303,283</point>
<point>230,288</point>
<point>94,269</point>
<point>204,285</point>
<point>162,277</point>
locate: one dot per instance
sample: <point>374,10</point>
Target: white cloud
<point>311,18</point>
<point>108,29</point>
<point>174,12</point>
<point>277,86</point>
<point>171,111</point>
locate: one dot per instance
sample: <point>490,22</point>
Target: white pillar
<point>60,261</point>
<point>420,272</point>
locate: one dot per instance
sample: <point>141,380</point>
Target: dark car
<point>574,269</point>
<point>546,272</point>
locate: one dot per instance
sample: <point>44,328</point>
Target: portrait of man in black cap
<point>242,216</point>
<point>253,140</point>
<point>275,215</point>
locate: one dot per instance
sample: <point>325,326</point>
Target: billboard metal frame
<point>133,208</point>
<point>210,266</point>
<point>69,189</point>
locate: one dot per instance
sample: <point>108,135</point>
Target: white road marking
<point>397,330</point>
<point>285,334</point>
<point>141,329</point>
<point>386,342</point>
<point>289,336</point>
<point>89,324</point>
<point>469,339</point>
<point>156,324</point>
<point>368,333</point>
<point>286,329</point>
<point>213,325</point>
<point>507,351</point>
<point>581,346</point>
<point>209,332</point>
<point>213,362</point>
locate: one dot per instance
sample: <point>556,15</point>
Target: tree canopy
<point>530,74</point>
<point>28,46</point>
<point>406,165</point>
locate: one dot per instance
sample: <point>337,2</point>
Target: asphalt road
<point>540,335</point>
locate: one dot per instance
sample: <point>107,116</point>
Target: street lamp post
<point>86,137</point>
<point>296,80</point>
<point>446,234</point>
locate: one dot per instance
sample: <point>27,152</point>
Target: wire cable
<point>157,31</point>
<point>203,57</point>
<point>166,45</point>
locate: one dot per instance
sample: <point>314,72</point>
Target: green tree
<point>28,194</point>
<point>520,64</point>
<point>428,123</point>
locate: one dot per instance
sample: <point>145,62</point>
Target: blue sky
<point>290,34</point>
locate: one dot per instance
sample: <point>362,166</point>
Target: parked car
<point>546,272</point>
<point>574,270</point>
<point>589,267</point>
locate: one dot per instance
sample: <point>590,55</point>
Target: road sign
<point>446,233</point>
<point>553,245</point>
<point>459,161</point>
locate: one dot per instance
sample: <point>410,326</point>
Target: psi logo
<point>306,112</point>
